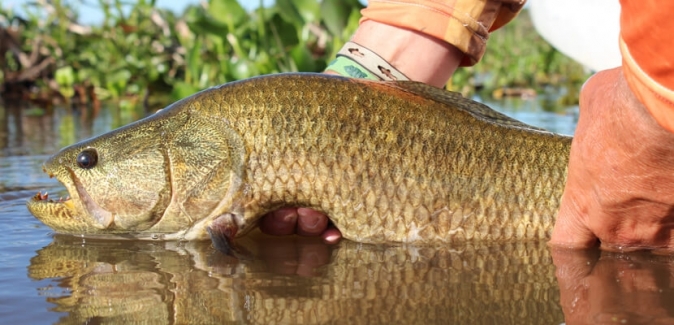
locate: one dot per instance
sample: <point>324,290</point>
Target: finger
<point>280,222</point>
<point>332,235</point>
<point>311,222</point>
<point>569,231</point>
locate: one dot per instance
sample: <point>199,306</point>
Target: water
<point>45,278</point>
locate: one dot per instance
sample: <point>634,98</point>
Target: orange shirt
<point>646,29</point>
<point>463,23</point>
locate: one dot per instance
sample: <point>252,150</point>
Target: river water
<point>47,278</point>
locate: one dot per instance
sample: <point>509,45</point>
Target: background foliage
<point>139,49</point>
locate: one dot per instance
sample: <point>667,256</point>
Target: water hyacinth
<point>139,49</point>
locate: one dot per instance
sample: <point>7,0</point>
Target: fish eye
<point>87,159</point>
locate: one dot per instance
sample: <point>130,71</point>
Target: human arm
<point>411,52</point>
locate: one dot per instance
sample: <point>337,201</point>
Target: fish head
<point>117,183</point>
<point>167,175</point>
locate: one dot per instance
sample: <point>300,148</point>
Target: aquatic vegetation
<point>139,49</point>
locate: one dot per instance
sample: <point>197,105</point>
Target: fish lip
<point>78,196</point>
<point>40,203</point>
<point>40,198</point>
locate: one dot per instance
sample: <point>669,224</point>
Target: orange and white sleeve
<point>647,49</point>
<point>466,24</point>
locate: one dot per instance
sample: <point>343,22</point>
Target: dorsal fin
<point>478,110</point>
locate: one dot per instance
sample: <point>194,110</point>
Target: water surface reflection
<point>299,281</point>
<point>615,288</point>
<point>302,281</point>
<point>30,130</point>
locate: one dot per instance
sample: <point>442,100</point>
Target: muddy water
<point>45,278</point>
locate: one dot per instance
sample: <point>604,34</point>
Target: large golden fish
<point>388,162</point>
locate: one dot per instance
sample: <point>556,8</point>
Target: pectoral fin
<point>222,232</point>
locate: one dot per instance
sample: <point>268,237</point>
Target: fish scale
<point>386,161</point>
<point>468,168</point>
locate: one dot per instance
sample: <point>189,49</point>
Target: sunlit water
<point>59,279</point>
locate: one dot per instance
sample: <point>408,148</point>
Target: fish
<point>388,162</point>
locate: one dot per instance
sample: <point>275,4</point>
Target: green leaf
<point>228,12</point>
<point>117,82</point>
<point>201,24</point>
<point>352,23</point>
<point>284,33</point>
<point>335,14</point>
<point>310,10</point>
<point>182,90</point>
<point>289,12</point>
<point>193,61</point>
<point>243,69</point>
<point>65,76</point>
<point>303,59</point>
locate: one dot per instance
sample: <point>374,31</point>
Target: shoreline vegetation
<point>139,53</point>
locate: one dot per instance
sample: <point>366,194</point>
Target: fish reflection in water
<point>298,280</point>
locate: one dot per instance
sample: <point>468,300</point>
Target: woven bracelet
<point>349,68</point>
<point>368,63</point>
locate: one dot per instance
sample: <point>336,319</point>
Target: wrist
<point>347,67</point>
<point>357,61</point>
<point>419,56</point>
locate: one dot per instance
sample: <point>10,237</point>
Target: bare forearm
<point>411,52</point>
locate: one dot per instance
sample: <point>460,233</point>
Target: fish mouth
<point>57,214</point>
<point>44,198</point>
<point>73,214</point>
<point>41,198</point>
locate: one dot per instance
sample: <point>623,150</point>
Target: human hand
<point>620,185</point>
<point>301,221</point>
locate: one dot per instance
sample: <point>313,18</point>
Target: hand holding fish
<point>620,186</point>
